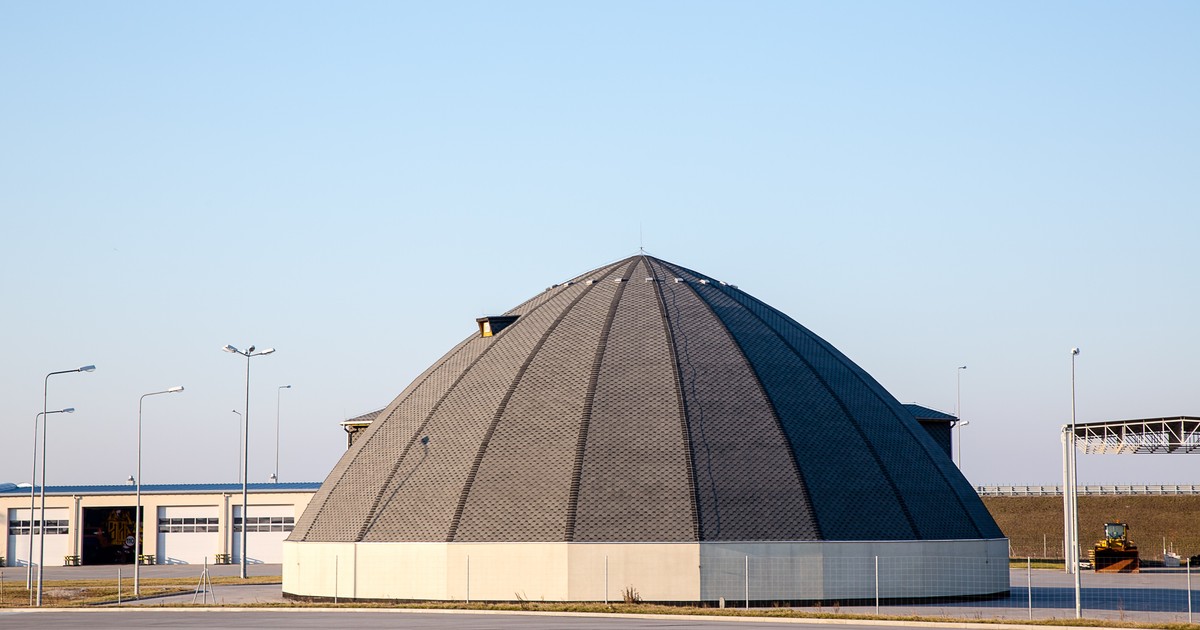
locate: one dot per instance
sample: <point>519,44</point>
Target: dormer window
<point>493,324</point>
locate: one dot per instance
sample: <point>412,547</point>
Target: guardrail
<point>1104,489</point>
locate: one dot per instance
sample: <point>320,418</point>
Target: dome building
<point>644,426</point>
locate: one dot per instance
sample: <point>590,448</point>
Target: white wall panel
<point>187,534</point>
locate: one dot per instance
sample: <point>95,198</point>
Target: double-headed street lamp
<point>246,442</point>
<point>239,450</point>
<point>32,483</point>
<point>278,391</point>
<point>137,512</point>
<point>42,533</point>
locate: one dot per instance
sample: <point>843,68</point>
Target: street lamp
<point>1074,490</point>
<point>246,442</point>
<point>137,512</point>
<point>958,411</point>
<point>239,464</point>
<point>279,390</point>
<point>42,534</point>
<point>32,483</point>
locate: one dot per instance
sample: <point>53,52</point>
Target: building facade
<point>181,523</point>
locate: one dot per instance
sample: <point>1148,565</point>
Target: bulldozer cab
<point>1116,553</point>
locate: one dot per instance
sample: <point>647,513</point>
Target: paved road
<point>374,619</point>
<point>1155,595</point>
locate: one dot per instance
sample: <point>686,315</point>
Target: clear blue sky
<point>923,184</point>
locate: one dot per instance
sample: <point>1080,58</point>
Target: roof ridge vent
<point>590,282</point>
<point>619,280</point>
<point>651,279</point>
<point>678,280</point>
<point>704,282</point>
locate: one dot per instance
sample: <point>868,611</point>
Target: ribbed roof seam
<point>372,514</point>
<point>322,496</point>
<point>829,389</point>
<point>869,386</point>
<point>696,415</point>
<point>589,398</point>
<point>771,404</point>
<point>687,443</point>
<point>479,455</point>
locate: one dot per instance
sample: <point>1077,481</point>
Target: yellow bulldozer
<point>1116,553</point>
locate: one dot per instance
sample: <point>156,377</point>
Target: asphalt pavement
<point>298,619</point>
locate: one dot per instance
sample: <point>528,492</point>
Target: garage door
<point>58,537</point>
<point>187,534</point>
<point>266,528</point>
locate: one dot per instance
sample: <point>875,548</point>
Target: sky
<point>923,184</point>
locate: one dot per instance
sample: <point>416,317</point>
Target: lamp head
<point>962,367</point>
<point>267,351</point>
<point>250,350</point>
<point>177,388</point>
<point>67,410</point>
<point>229,348</point>
<point>285,387</point>
<point>88,368</point>
<point>1074,351</point>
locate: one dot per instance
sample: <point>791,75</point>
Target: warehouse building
<point>644,426</point>
<point>181,523</point>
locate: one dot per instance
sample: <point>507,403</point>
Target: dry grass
<point>92,592</point>
<point>1025,520</point>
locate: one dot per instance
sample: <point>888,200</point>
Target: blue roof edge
<point>166,488</point>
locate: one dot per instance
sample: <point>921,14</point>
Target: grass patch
<point>67,593</point>
<point>1037,563</point>
<point>656,609</point>
<point>78,593</point>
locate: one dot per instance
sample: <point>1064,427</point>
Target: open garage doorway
<point>108,535</point>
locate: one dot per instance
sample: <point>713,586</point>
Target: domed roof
<point>643,401</point>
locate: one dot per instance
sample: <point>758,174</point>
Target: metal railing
<point>1103,489</point>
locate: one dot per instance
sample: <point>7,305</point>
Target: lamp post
<point>278,391</point>
<point>1074,490</point>
<point>32,483</point>
<point>958,411</point>
<point>137,511</point>
<point>246,442</point>
<point>239,465</point>
<point>42,532</point>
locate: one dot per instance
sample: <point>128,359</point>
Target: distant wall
<point>1030,521</point>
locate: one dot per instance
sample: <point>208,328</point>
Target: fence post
<point>605,579</point>
<point>877,585</point>
<point>335,579</point>
<point>118,586</point>
<point>1029,584</point>
<point>747,582</point>
<point>1189,586</point>
<point>468,579</point>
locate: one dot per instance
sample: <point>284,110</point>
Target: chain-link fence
<point>944,587</point>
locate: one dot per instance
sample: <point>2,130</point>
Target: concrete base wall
<point>660,572</point>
